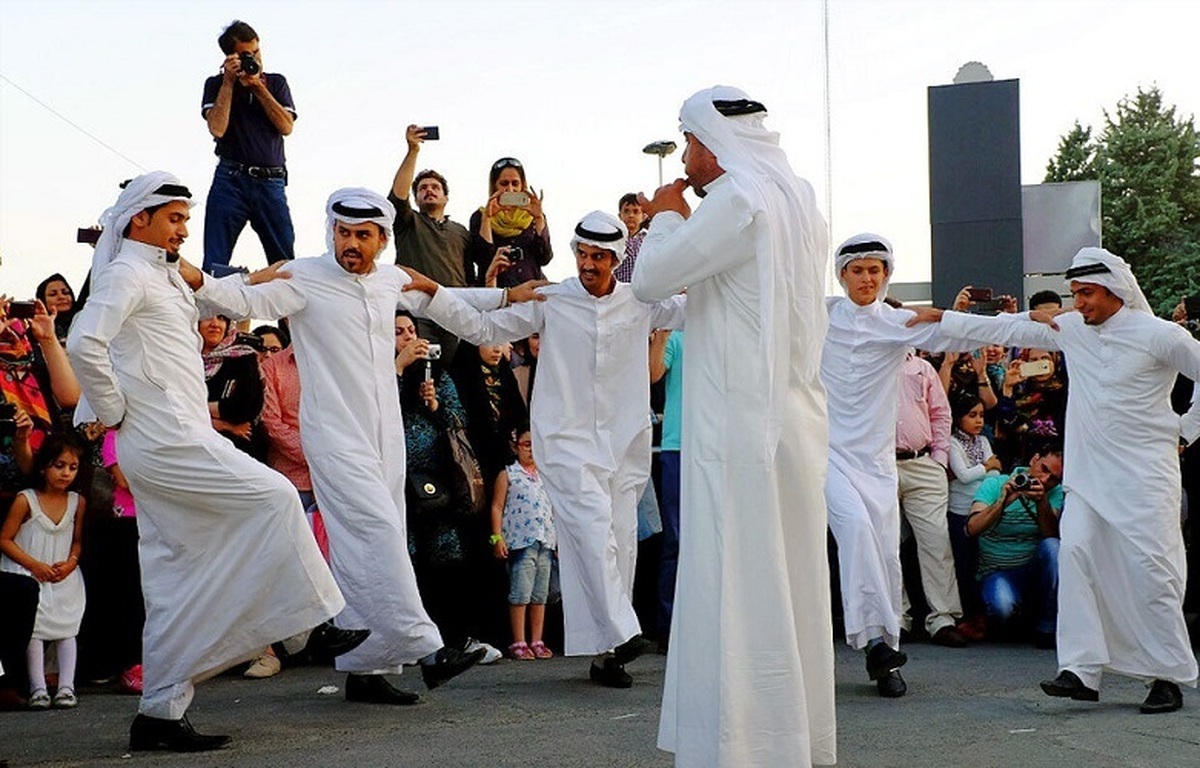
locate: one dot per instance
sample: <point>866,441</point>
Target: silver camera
<point>435,352</point>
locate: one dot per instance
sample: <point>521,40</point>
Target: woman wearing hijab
<point>59,299</point>
<point>235,388</point>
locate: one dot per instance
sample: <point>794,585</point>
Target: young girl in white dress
<point>41,538</point>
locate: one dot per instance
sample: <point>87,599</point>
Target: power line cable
<point>74,125</point>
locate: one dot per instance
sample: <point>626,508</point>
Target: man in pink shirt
<point>922,451</point>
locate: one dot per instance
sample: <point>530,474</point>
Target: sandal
<point>520,652</point>
<point>65,698</point>
<point>540,650</point>
<point>39,700</point>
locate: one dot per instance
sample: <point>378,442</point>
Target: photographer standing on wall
<point>248,112</point>
<point>1015,518</point>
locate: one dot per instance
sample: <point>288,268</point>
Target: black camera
<point>248,63</point>
<point>1022,481</point>
<point>515,254</point>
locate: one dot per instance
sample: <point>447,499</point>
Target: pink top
<point>281,417</point>
<point>123,504</point>
<point>923,413</point>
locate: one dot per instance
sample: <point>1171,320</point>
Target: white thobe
<point>861,365</point>
<point>590,419</point>
<point>750,670</point>
<point>353,437</point>
<point>1121,567</point>
<point>228,562</point>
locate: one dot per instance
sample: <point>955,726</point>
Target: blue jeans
<point>529,574</point>
<point>234,199</point>
<point>1034,584</point>
<point>966,562</point>
<point>668,563</point>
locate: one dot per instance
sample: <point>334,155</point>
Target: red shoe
<point>974,628</point>
<point>131,680</point>
<point>521,652</point>
<point>540,650</point>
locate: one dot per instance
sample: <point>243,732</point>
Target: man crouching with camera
<point>248,112</point>
<point>1015,520</point>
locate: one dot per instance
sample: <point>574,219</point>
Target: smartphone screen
<point>431,133</point>
<point>979,294</point>
<point>21,310</point>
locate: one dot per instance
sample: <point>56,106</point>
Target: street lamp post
<point>662,149</point>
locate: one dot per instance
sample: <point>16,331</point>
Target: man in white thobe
<point>750,669</point>
<point>228,563</point>
<point>341,308</point>
<point>865,350</point>
<point>1121,566</point>
<point>590,418</point>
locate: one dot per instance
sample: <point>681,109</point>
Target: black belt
<point>257,171</point>
<point>906,455</point>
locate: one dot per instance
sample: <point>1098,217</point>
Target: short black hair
<point>1050,446</point>
<point>280,333</point>
<point>151,210</point>
<point>429,173</point>
<point>1045,297</point>
<point>629,198</point>
<point>238,31</point>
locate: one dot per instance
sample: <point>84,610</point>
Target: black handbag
<point>463,467</point>
<point>427,494</point>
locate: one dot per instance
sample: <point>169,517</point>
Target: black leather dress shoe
<point>610,674</point>
<point>326,642</point>
<point>375,689</point>
<point>881,660</point>
<point>1068,686</point>
<point>1164,696</point>
<point>152,733</point>
<point>448,663</point>
<point>631,649</point>
<point>891,685</point>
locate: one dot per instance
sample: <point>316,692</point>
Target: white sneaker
<point>492,654</point>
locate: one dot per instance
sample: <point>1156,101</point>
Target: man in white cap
<point>340,307</point>
<point>228,563</point>
<point>750,670</point>
<point>590,417</point>
<point>1121,565</point>
<point>862,363</point>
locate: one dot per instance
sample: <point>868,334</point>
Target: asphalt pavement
<point>978,707</point>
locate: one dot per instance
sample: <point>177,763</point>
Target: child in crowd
<point>41,538</point>
<point>971,460</point>
<point>523,533</point>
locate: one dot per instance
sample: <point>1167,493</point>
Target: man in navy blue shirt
<point>248,112</point>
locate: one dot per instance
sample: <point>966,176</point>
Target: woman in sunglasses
<point>510,242</point>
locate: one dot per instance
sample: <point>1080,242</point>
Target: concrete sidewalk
<point>978,707</point>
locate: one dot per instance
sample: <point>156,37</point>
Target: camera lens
<point>1020,481</point>
<point>248,63</point>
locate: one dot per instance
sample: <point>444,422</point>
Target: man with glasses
<point>1015,519</point>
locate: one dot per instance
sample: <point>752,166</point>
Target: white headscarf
<point>1096,265</point>
<point>865,246</point>
<point>357,205</point>
<point>602,230</point>
<point>138,194</point>
<point>792,241</point>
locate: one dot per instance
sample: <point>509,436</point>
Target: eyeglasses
<point>506,162</point>
<point>524,443</point>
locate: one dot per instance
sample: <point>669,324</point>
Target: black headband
<point>1088,269</point>
<point>738,107</point>
<point>603,237</point>
<point>166,190</point>
<point>356,213</point>
<point>871,246</point>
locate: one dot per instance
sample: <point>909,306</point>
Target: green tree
<point>1145,158</point>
